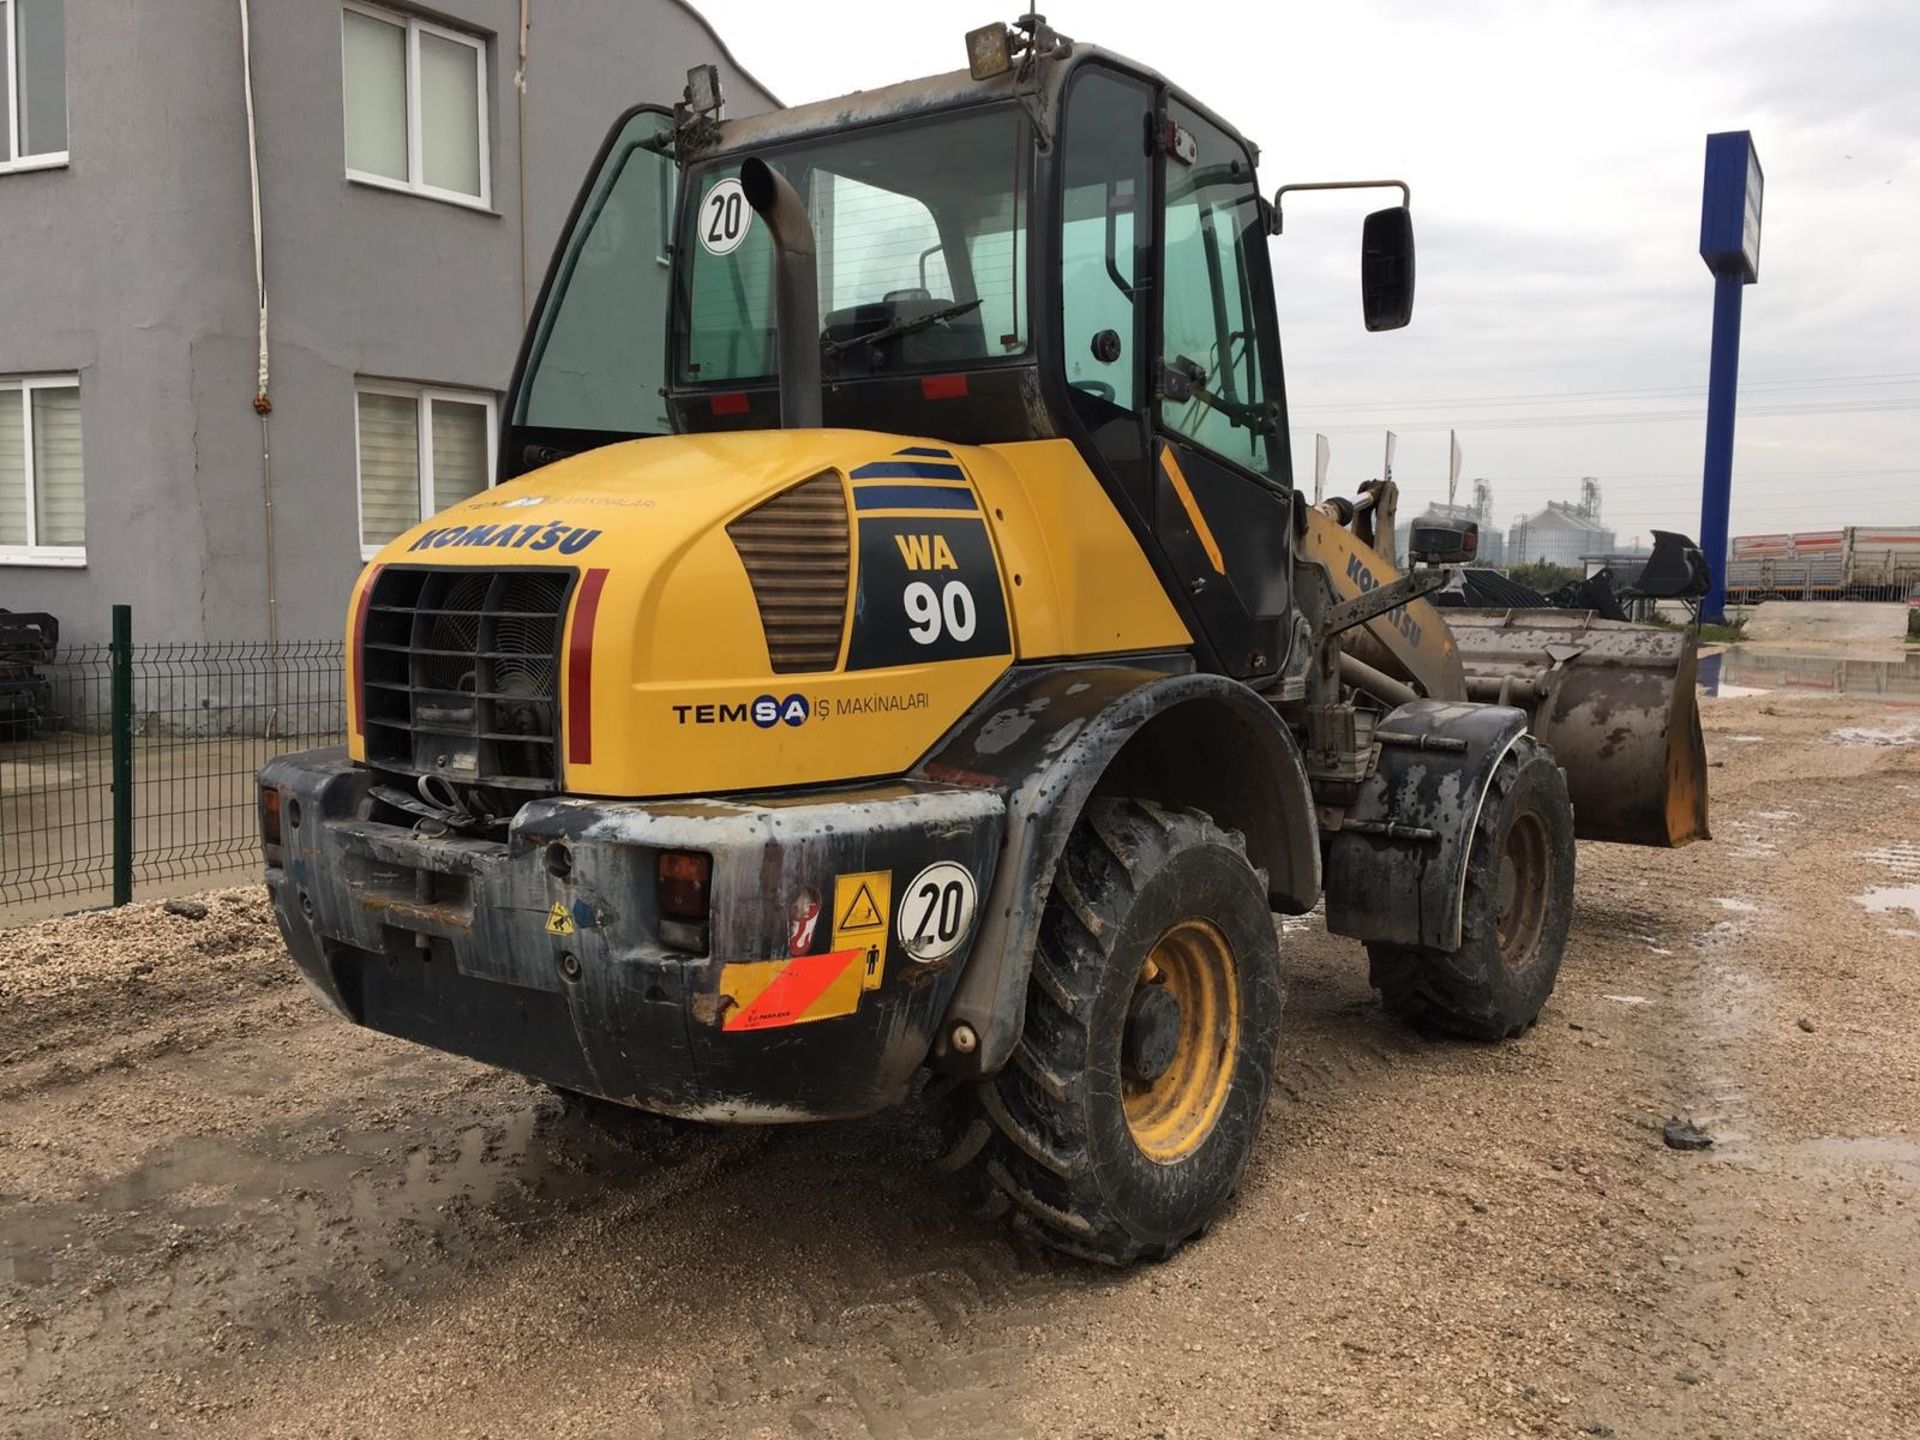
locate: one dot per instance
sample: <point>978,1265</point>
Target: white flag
<point>1386,472</point>
<point>1320,453</point>
<point>1453,465</point>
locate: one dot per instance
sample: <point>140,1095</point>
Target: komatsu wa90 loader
<point>896,646</point>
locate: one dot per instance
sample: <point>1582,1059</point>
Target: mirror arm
<point>1406,192</point>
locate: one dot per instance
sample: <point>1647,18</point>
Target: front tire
<point>1519,906</point>
<point>1134,1096</point>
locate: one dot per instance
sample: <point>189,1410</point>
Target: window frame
<point>1255,279</point>
<point>21,388</point>
<point>12,162</point>
<point>423,397</point>
<point>699,173</point>
<point>413,27</point>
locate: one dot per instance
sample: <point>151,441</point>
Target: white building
<point>1561,533</point>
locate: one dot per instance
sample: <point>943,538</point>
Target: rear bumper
<point>542,954</point>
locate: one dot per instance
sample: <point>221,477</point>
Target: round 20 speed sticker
<point>724,218</point>
<point>936,913</point>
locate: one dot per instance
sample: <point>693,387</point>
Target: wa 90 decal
<point>929,590</point>
<point>950,611</point>
<point>936,911</point>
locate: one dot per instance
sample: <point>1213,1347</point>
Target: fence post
<point>122,660</point>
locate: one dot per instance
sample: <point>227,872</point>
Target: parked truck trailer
<point>1859,562</point>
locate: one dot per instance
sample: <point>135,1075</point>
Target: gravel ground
<point>224,1213</point>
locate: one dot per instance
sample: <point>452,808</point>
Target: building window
<point>420,450</point>
<point>33,82</point>
<point>43,498</point>
<point>416,112</point>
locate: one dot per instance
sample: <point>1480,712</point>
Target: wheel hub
<point>1152,1034</point>
<point>1181,1041</point>
<point>1521,894</point>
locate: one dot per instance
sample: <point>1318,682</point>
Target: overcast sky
<point>1555,152</point>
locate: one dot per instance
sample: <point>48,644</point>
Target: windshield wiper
<point>1185,380</point>
<point>900,327</point>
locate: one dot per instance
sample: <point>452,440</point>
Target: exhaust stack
<point>796,292</point>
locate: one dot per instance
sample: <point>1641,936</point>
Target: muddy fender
<point>1051,738</point>
<point>1397,868</point>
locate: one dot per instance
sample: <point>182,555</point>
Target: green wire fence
<point>130,766</point>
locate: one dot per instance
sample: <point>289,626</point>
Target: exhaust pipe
<point>796,292</point>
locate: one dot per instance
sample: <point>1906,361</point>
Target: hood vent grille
<point>795,548</point>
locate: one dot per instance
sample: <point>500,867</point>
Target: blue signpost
<point>1730,244</point>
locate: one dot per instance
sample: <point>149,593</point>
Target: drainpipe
<point>520,144</point>
<point>262,402</point>
<point>796,295</point>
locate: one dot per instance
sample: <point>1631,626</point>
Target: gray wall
<point>134,267</point>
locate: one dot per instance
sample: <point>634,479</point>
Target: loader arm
<point>1616,701</point>
<point>1410,642</point>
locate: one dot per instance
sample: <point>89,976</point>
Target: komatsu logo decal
<point>1397,617</point>
<point>548,535</point>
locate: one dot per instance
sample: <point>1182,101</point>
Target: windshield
<point>920,233</point>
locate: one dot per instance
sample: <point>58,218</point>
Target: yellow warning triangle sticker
<point>559,922</point>
<point>862,914</point>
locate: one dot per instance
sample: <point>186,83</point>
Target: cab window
<point>1214,237</point>
<point>1106,236</point>
<point>920,236</point>
<point>598,359</point>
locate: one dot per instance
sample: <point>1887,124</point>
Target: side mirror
<point>1386,268</point>
<point>1442,543</point>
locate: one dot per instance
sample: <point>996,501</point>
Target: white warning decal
<point>724,218</point>
<point>936,913</point>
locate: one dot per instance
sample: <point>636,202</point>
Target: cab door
<point>1221,472</point>
<point>593,364</point>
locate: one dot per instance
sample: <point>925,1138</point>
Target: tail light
<point>683,886</point>
<point>269,815</point>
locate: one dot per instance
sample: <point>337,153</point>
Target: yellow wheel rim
<point>1171,1110</point>
<point>1520,901</point>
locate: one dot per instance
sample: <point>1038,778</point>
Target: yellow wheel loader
<point>896,647</point>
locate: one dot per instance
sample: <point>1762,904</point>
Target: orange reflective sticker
<point>770,993</point>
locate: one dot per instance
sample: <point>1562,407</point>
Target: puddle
<point>1891,898</point>
<point>1314,919</point>
<point>1902,1157</point>
<point>1750,840</point>
<point>1737,671</point>
<point>1863,735</point>
<point>1902,858</point>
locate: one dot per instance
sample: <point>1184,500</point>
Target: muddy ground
<point>224,1213</point>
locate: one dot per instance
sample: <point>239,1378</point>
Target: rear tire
<point>1519,905</point>
<point>1134,1096</point>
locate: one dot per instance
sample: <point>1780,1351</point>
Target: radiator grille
<point>795,549</point>
<point>460,675</point>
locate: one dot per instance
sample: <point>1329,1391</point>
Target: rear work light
<point>684,890</point>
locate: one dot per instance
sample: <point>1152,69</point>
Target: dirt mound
<point>1828,622</point>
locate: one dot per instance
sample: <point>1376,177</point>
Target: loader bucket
<point>1616,702</point>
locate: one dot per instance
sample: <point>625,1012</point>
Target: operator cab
<point>1066,248</point>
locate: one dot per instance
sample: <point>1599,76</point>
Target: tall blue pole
<point>1716,493</point>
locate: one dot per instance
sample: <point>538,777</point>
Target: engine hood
<point>696,573</point>
<point>645,498</point>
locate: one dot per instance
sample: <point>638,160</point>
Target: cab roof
<point>910,99</point>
